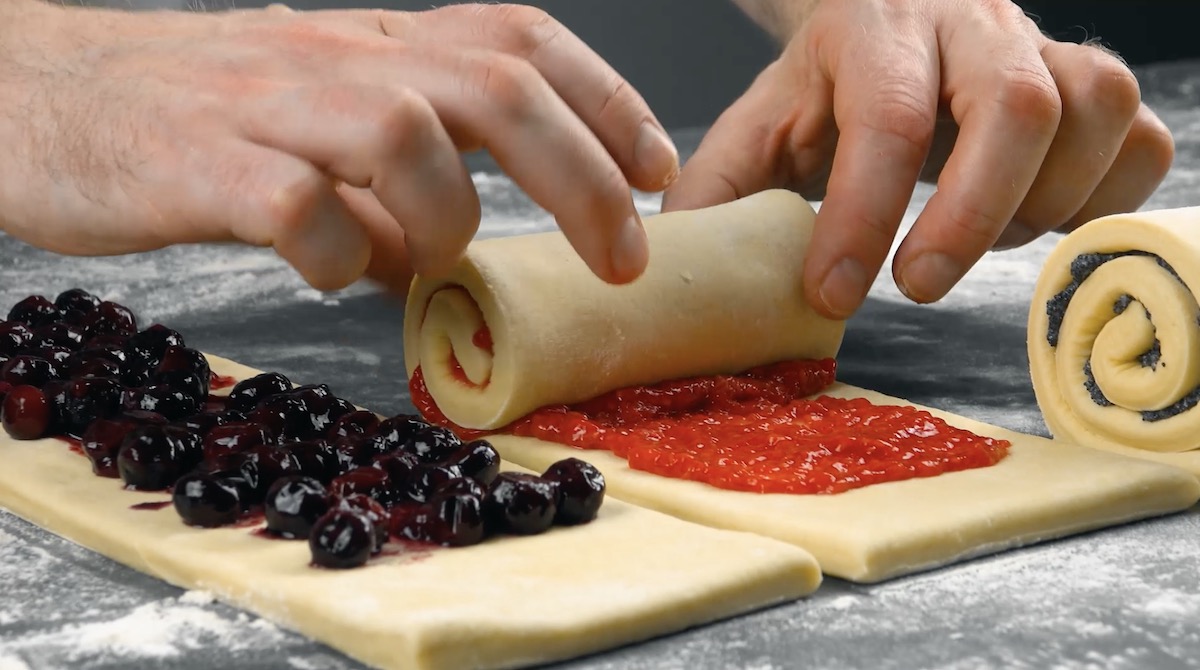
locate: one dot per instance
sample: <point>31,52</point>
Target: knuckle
<point>618,97</point>
<point>1110,85</point>
<point>898,111</point>
<point>290,204</point>
<point>510,84</point>
<point>1154,141</point>
<point>404,119</point>
<point>524,29</point>
<point>974,225</point>
<point>1031,98</point>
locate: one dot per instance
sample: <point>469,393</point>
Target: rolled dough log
<point>722,293</point>
<point>629,575</point>
<point>1114,336</point>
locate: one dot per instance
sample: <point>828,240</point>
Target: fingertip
<point>841,290</point>
<point>656,158</point>
<point>929,277</point>
<point>327,247</point>
<point>630,253</point>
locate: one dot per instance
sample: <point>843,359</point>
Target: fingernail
<point>929,276</point>
<point>656,154</point>
<point>844,288</point>
<point>1015,235</point>
<point>630,250</point>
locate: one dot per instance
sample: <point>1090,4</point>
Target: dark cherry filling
<point>140,404</point>
<point>520,503</point>
<point>206,500</point>
<point>34,311</point>
<point>293,505</point>
<point>580,488</point>
<point>248,393</point>
<point>26,413</point>
<point>342,538</point>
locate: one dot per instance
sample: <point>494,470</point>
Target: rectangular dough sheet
<point>1042,490</point>
<point>629,575</point>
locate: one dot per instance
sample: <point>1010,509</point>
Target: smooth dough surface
<point>722,293</point>
<point>1158,304</point>
<point>1042,490</point>
<point>629,575</point>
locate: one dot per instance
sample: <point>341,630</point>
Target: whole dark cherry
<point>453,520</point>
<point>399,467</point>
<point>178,358</point>
<point>580,490</point>
<point>14,337</point>
<point>463,485</point>
<point>520,503</point>
<point>358,422</point>
<point>153,342</point>
<point>89,399</point>
<point>29,370</point>
<point>58,335</point>
<point>246,394</point>
<point>188,383</point>
<point>397,430</point>
<point>293,504</point>
<point>26,413</point>
<point>152,457</point>
<point>101,443</point>
<point>367,481</point>
<point>479,460</point>
<point>110,318</point>
<point>355,451</point>
<point>206,500</point>
<point>56,355</point>
<point>263,465</point>
<point>91,363</point>
<point>233,438</point>
<point>160,398</point>
<point>317,458</point>
<point>77,300</point>
<point>434,444</point>
<point>288,417</point>
<point>34,311</point>
<point>426,479</point>
<point>341,539</point>
<point>375,513</point>
<point>202,422</point>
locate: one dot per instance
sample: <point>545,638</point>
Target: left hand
<point>1023,134</point>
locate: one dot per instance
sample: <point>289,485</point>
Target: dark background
<point>691,58</point>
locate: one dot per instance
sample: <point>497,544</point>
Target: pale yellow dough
<point>1163,307</point>
<point>723,293</point>
<point>629,575</point>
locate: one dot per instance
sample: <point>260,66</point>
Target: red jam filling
<point>757,431</point>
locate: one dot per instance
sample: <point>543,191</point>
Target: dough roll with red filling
<point>522,323</point>
<point>1114,335</point>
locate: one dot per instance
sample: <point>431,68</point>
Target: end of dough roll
<point>1114,333</point>
<point>522,323</point>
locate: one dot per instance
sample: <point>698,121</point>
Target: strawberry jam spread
<point>758,431</point>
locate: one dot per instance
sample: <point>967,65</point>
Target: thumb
<point>741,154</point>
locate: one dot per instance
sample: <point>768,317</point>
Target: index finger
<point>885,103</point>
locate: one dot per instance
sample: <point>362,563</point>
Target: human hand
<point>1023,134</point>
<point>334,137</point>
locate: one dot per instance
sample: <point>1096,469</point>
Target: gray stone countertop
<point>1126,597</point>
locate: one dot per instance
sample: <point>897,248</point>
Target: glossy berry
<point>479,460</point>
<point>358,422</point>
<point>188,383</point>
<point>5,387</point>
<point>29,370</point>
<point>317,459</point>
<point>375,513</point>
<point>26,413</point>
<point>399,429</point>
<point>288,417</point>
<point>367,481</point>
<point>519,503</point>
<point>201,423</point>
<point>76,299</point>
<point>153,456</point>
<point>110,318</point>
<point>248,393</point>
<point>89,363</point>
<point>56,355</point>
<point>162,399</point>
<point>434,444</point>
<point>58,335</point>
<point>399,467</point>
<point>263,465</point>
<point>452,520</point>
<point>341,539</point>
<point>355,451</point>
<point>34,311</point>
<point>461,485</point>
<point>15,336</point>
<point>178,358</point>
<point>153,342</point>
<point>206,500</point>
<point>293,505</point>
<point>101,443</point>
<point>425,480</point>
<point>580,490</point>
<point>233,438</point>
<point>87,400</point>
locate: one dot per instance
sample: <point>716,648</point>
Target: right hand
<point>334,137</point>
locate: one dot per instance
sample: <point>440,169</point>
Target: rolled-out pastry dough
<point>629,575</point>
<point>1114,336</point>
<point>722,293</point>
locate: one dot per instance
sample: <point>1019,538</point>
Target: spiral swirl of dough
<point>1114,333</point>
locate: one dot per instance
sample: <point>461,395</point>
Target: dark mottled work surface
<point>1125,597</point>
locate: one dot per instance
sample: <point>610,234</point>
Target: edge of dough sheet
<point>630,575</point>
<point>1042,490</point>
<point>1171,233</point>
